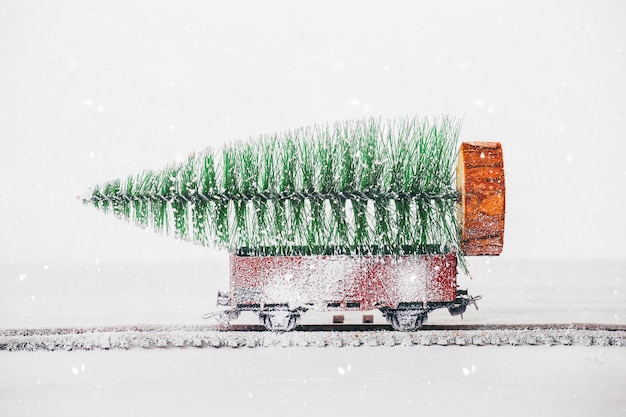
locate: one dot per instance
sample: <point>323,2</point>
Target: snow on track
<point>162,336</point>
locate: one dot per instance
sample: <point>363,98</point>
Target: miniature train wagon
<point>404,288</point>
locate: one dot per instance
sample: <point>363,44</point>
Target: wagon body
<point>342,282</point>
<point>404,288</point>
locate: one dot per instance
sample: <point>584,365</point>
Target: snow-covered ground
<point>451,380</point>
<point>442,381</point>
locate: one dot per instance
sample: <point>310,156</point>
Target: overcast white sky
<point>91,91</point>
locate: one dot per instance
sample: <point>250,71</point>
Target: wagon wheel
<point>279,320</point>
<point>406,320</point>
<point>480,182</point>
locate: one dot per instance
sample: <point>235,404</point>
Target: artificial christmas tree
<point>356,187</point>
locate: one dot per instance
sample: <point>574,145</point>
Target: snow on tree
<point>355,187</point>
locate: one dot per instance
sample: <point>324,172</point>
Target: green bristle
<point>355,187</point>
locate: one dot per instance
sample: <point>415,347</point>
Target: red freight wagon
<point>403,288</point>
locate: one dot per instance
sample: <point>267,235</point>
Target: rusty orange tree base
<point>480,180</point>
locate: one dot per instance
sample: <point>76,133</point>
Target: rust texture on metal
<point>480,180</point>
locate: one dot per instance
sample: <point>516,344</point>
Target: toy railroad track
<point>341,335</point>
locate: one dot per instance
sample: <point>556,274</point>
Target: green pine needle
<point>356,187</point>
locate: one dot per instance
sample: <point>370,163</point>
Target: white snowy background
<point>92,91</point>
